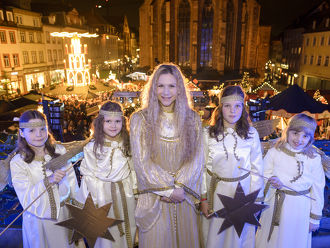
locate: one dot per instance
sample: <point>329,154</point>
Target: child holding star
<point>30,178</point>
<point>295,163</point>
<point>231,143</point>
<point>107,174</point>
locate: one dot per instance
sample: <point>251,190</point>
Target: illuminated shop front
<point>57,76</point>
<point>35,81</point>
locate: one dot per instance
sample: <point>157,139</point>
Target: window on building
<point>36,22</point>
<point>311,60</point>
<point>49,53</point>
<point>1,15</point>
<point>39,38</point>
<point>16,59</point>
<point>10,16</point>
<point>319,58</point>
<point>23,38</point>
<point>326,61</point>
<point>299,50</point>
<point>184,33</point>
<point>41,57</point>
<point>25,57</point>
<point>59,41</point>
<point>307,41</point>
<point>6,60</point>
<point>34,57</point>
<point>322,41</point>
<point>12,37</point>
<point>3,37</point>
<point>55,55</point>
<point>31,37</point>
<point>314,25</point>
<point>19,19</point>
<point>229,17</point>
<point>327,22</point>
<point>314,41</point>
<point>206,35</point>
<point>47,37</point>
<point>305,59</point>
<point>54,40</point>
<point>60,55</point>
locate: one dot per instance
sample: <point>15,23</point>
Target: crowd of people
<point>165,174</point>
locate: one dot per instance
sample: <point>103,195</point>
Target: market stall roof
<point>294,100</point>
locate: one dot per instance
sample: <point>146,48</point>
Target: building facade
<point>315,70</point>
<point>305,48</point>
<point>221,35</point>
<point>11,64</point>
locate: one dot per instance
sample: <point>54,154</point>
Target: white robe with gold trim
<point>98,175</point>
<point>295,215</point>
<point>39,230</point>
<point>250,157</point>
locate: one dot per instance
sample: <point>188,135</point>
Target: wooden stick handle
<point>43,192</point>
<point>257,174</point>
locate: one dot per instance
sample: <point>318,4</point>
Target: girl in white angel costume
<point>107,175</point>
<point>30,178</point>
<point>291,217</point>
<point>230,144</point>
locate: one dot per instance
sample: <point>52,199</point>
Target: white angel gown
<point>109,178</point>
<point>223,161</point>
<point>297,211</point>
<point>39,229</point>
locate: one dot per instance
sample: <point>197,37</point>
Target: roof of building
<point>295,100</point>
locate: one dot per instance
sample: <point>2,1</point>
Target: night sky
<point>278,14</point>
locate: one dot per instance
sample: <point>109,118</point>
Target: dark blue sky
<point>277,13</point>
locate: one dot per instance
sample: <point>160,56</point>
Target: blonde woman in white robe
<point>166,139</point>
<point>30,178</point>
<point>292,215</point>
<point>230,144</point>
<point>107,175</point>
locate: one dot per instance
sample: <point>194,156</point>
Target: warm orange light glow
<point>77,70</point>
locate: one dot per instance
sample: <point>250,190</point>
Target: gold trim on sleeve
<point>315,216</point>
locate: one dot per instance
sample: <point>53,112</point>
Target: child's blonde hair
<point>300,123</point>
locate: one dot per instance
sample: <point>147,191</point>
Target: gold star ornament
<point>90,222</point>
<point>238,210</point>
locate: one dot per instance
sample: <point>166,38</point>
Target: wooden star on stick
<point>90,222</point>
<point>238,210</point>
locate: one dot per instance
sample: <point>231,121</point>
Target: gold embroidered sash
<point>214,182</point>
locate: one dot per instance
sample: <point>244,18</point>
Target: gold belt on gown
<point>278,204</point>
<point>125,211</point>
<point>214,182</point>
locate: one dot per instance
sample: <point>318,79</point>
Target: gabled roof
<point>295,100</point>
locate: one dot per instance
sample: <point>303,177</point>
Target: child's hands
<point>56,177</point>
<point>205,208</point>
<point>275,182</point>
<point>313,227</point>
<point>177,195</point>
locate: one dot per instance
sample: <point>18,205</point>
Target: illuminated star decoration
<point>238,210</point>
<point>90,222</point>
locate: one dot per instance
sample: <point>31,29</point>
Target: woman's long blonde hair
<point>185,117</point>
<point>308,128</point>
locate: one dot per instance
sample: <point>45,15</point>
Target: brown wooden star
<point>90,222</point>
<point>238,210</point>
